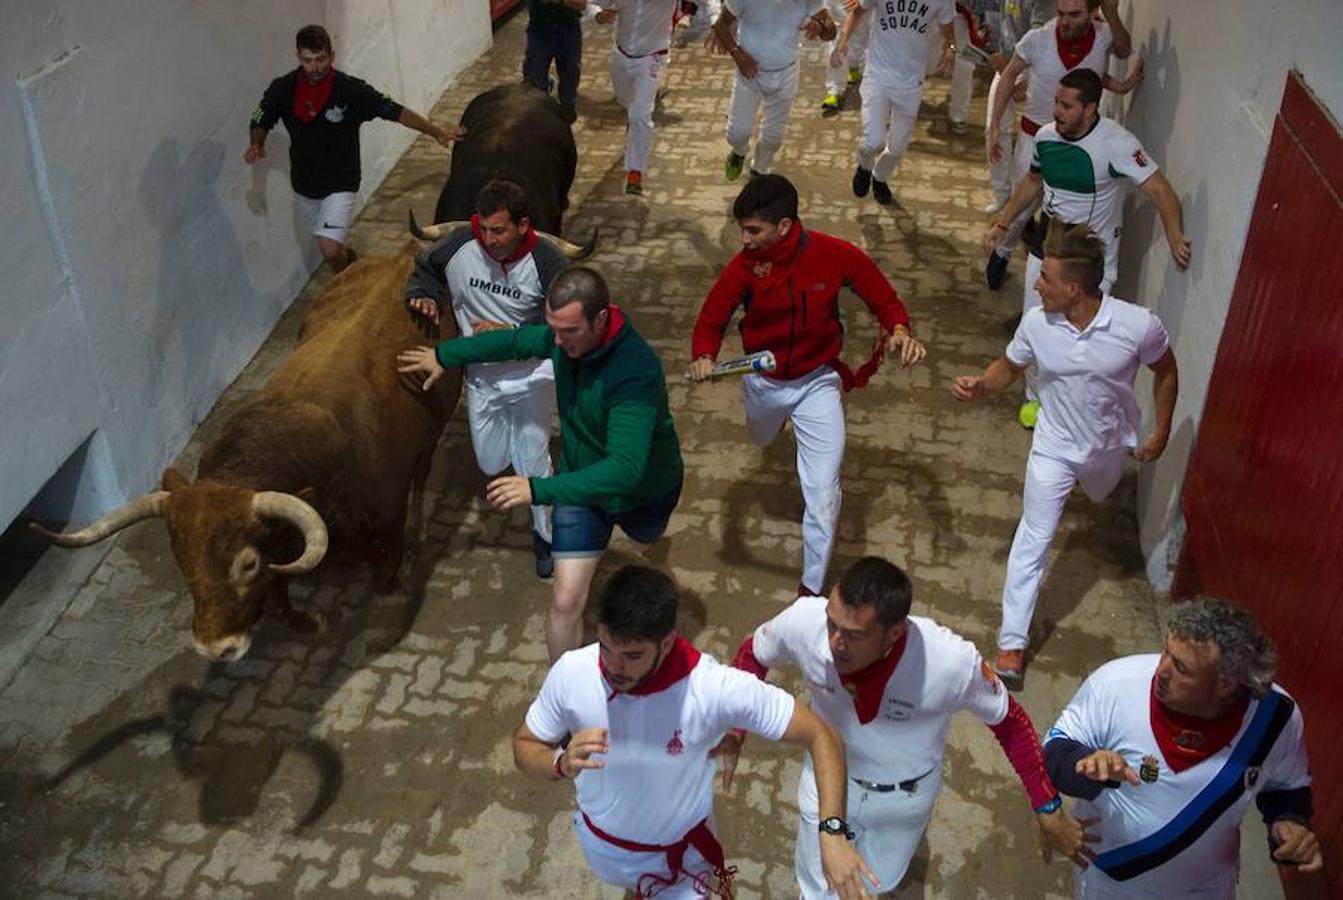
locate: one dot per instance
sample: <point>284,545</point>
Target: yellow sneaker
<point>855,75</point>
<point>830,103</point>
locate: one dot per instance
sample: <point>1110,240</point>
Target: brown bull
<point>328,450</point>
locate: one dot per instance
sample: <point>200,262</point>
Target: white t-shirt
<point>769,30</point>
<point>897,51</point>
<point>1111,711</point>
<point>1085,378</point>
<point>1039,48</point>
<point>939,672</point>
<point>657,782</point>
<point>1083,179</point>
<point>643,27</point>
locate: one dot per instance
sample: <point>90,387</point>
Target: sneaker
<point>994,206</point>
<point>634,182</point>
<point>733,166</point>
<point>855,75</point>
<point>1011,668</point>
<point>1029,414</point>
<point>830,104</point>
<point>995,270</point>
<point>956,127</point>
<point>545,562</point>
<point>881,192</point>
<point>862,180</point>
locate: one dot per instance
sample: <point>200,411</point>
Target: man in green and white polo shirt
<point>1081,161</point>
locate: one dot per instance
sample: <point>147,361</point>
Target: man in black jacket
<point>322,110</point>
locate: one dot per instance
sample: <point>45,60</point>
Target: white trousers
<point>1000,172</point>
<point>1021,164</point>
<point>837,77</point>
<point>888,828</point>
<point>1049,481</point>
<point>770,95</point>
<point>624,868</point>
<point>962,76</point>
<point>510,425</point>
<point>814,404</point>
<point>889,116</point>
<point>636,84</point>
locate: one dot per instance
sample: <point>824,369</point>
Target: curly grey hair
<point>1247,654</point>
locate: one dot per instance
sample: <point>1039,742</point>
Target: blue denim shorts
<point>584,531</point>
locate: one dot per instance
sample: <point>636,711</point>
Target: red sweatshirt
<point>791,296</point>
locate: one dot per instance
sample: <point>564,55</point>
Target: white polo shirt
<point>770,30</point>
<point>657,783</point>
<point>938,674</point>
<point>1084,179</point>
<point>1111,711</point>
<point>897,51</point>
<point>643,27</point>
<point>1039,48</point>
<point>1085,378</point>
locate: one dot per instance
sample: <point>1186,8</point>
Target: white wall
<point>1214,82</point>
<point>144,261</point>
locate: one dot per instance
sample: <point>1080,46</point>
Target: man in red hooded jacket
<point>788,280</point>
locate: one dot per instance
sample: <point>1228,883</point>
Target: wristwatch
<point>836,825</point>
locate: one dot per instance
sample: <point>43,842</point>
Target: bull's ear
<point>173,479</point>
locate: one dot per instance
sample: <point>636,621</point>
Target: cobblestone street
<point>373,759</point>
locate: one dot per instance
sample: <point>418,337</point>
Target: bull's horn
<point>433,232</point>
<point>147,507</point>
<point>276,505</point>
<point>573,251</point>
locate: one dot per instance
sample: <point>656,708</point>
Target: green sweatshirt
<point>619,444</point>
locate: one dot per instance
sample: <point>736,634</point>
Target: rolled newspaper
<point>760,361</point>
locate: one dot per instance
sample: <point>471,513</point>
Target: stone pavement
<point>374,759</point>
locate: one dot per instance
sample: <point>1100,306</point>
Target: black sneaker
<point>995,271</point>
<point>862,180</point>
<point>881,192</point>
<point>545,563</point>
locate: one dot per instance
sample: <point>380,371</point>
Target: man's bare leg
<point>573,580</point>
<point>336,254</point>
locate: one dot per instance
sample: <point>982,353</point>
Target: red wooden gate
<point>1263,498</point>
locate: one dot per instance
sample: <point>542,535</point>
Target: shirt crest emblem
<point>1149,770</point>
<point>761,269</point>
<point>674,746</point>
<point>1140,158</point>
<point>335,115</point>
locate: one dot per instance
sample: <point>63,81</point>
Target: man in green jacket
<point>620,461</point>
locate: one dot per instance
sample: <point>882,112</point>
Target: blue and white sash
<point>1225,788</point>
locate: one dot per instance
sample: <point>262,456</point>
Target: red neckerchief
<point>309,98</point>
<point>868,684</point>
<point>525,246</point>
<point>613,327</point>
<point>1073,52</point>
<point>680,659</point>
<point>1186,741</point>
<point>769,268</point>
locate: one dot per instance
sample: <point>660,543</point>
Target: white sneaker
<point>995,206</point>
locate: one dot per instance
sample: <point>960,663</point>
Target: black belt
<point>908,786</point>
